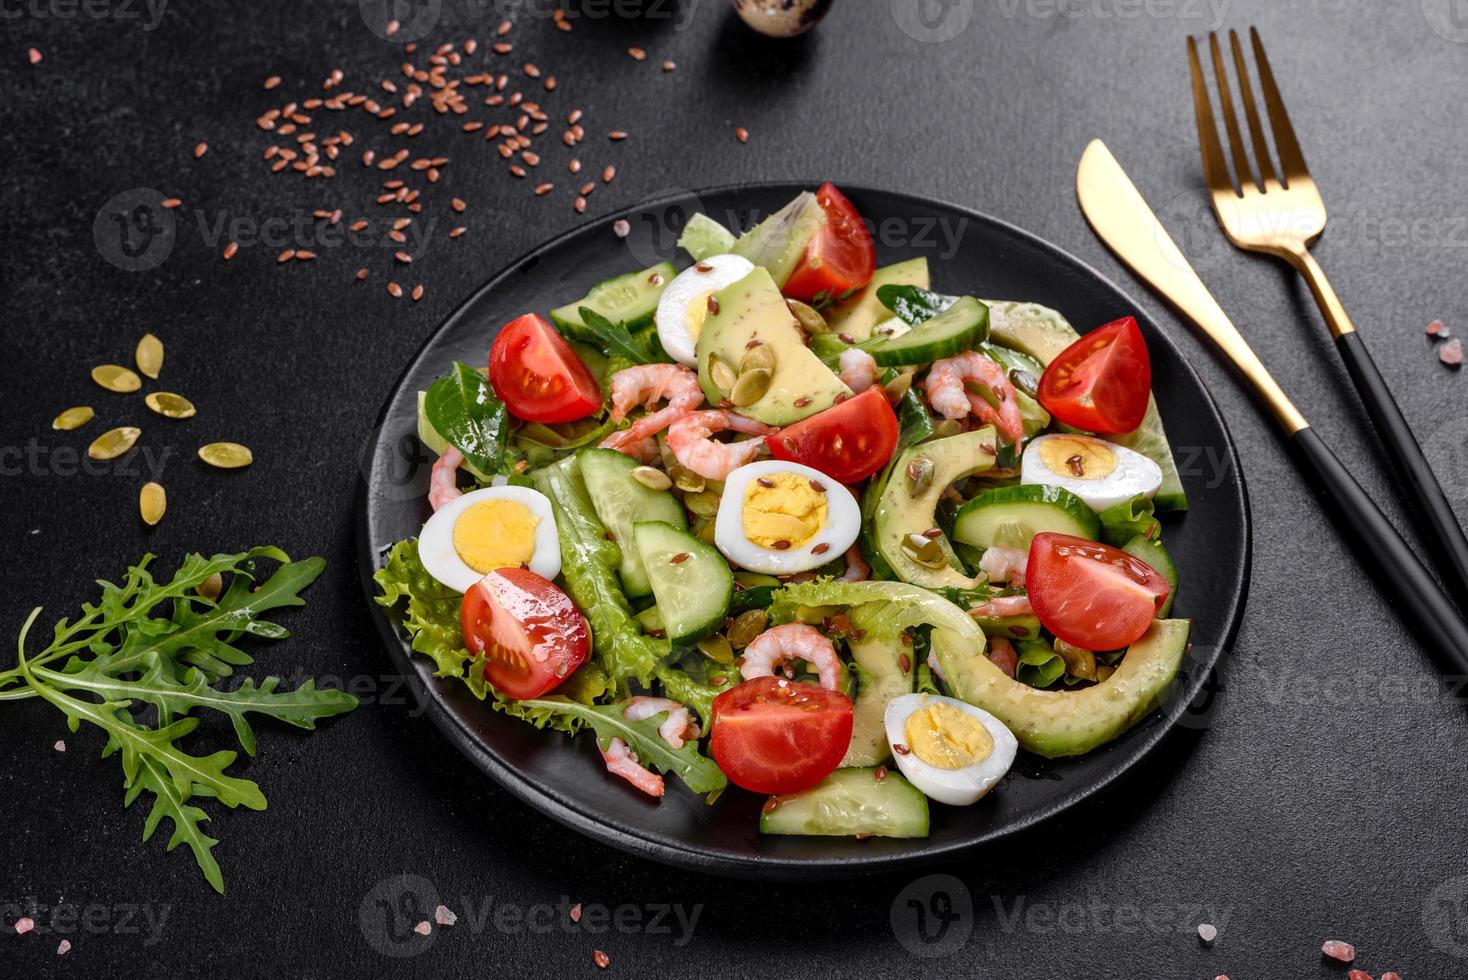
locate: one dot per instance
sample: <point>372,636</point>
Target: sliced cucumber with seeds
<point>957,329</point>
<point>630,299</point>
<point>1012,516</point>
<point>850,802</point>
<point>620,501</point>
<point>690,580</point>
<point>1151,551</point>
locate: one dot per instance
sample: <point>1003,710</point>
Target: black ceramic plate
<point>968,252</point>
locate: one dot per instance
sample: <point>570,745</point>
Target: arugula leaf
<point>617,341</point>
<point>681,686</point>
<point>913,304</point>
<point>169,802</point>
<point>462,408</point>
<point>697,770</point>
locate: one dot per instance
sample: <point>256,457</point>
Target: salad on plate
<point>787,520</point>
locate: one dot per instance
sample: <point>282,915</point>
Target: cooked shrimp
<point>677,728</point>
<point>628,443</point>
<point>793,641</point>
<point>646,385</point>
<point>858,370</point>
<point>857,570</point>
<point>936,667</point>
<point>442,479</point>
<point>690,443</point>
<point>1010,605</point>
<point>622,761</point>
<point>1004,564</point>
<point>1001,654</point>
<point>949,396</point>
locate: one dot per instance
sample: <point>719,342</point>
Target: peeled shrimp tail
<point>622,761</point>
<point>691,443</point>
<point>792,641</point>
<point>442,479</point>
<point>677,728</point>
<point>858,370</point>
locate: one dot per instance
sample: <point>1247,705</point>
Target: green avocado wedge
<point>1064,723</point>
<point>1042,333</point>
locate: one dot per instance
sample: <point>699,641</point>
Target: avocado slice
<point>855,317</point>
<point>753,309</point>
<point>1062,722</point>
<point>778,242</point>
<point>1043,333</point>
<point>879,659</point>
<point>906,507</point>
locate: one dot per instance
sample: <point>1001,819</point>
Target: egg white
<point>436,541</point>
<point>956,787</point>
<point>693,285</point>
<point>843,523</point>
<point>1134,474</point>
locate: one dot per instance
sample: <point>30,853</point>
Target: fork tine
<point>1230,121</point>
<point>1291,161</point>
<point>1215,168</point>
<point>1251,113</point>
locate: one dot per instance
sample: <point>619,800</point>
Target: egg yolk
<point>783,511</point>
<point>947,737</point>
<point>495,534</point>
<point>1077,457</point>
<point>695,313</point>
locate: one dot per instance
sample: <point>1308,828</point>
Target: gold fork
<point>1281,214</point>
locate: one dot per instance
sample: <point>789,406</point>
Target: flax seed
<point>543,189</point>
<point>504,28</point>
<point>607,174</point>
<point>231,250</point>
<point>669,66</point>
<point>587,188</point>
<point>305,255</point>
<point>362,274</point>
<point>393,27</point>
<point>456,232</point>
<point>574,166</point>
<point>395,290</point>
<point>637,54</point>
<point>286,256</point>
<point>503,47</point>
<point>616,135</point>
<point>517,170</point>
<point>417,292</point>
<point>531,158</point>
<point>580,205</point>
<point>272,82</point>
<point>531,70</point>
<point>550,84</point>
<point>171,202</point>
<point>741,134</point>
<point>200,150</point>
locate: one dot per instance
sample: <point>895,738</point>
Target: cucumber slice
<point>1012,516</point>
<point>630,299</point>
<point>848,802</point>
<point>958,328</point>
<point>1010,627</point>
<point>1151,551</point>
<point>703,237</point>
<point>690,580</point>
<point>620,501</point>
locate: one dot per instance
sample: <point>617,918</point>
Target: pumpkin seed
<point>169,405</point>
<point>808,317</point>
<point>73,418</point>
<point>947,427</point>
<point>717,647</point>
<point>686,480</point>
<point>226,455</point>
<point>756,358</point>
<point>115,377</point>
<point>747,627</point>
<point>704,504</point>
<point>924,550</point>
<point>898,387</point>
<point>703,530</point>
<point>152,502</point>
<point>651,477</point>
<point>149,355</point>
<point>114,442</point>
<point>1103,671</point>
<point>919,474</point>
<point>721,374</point>
<point>211,587</point>
<point>1024,381</point>
<point>751,387</point>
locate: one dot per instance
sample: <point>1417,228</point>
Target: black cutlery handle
<point>1430,506</point>
<point>1415,594</point>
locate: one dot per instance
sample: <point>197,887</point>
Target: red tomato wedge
<point>1091,594</point>
<point>770,735</point>
<point>847,442</point>
<point>528,631</point>
<point>1102,381</point>
<point>537,374</point>
<point>840,259</point>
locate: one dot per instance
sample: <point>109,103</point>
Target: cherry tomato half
<point>770,735</point>
<point>847,442</point>
<point>528,631</point>
<point>538,375</point>
<point>840,259</point>
<point>1091,594</point>
<point>1102,381</point>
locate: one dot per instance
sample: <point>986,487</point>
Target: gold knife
<point>1121,218</point>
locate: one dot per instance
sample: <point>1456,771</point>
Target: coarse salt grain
<point>60,745</point>
<point>621,228</point>
<point>1451,353</point>
<point>1358,975</point>
<point>444,916</point>
<point>1391,975</point>
<point>1436,329</point>
<point>63,947</point>
<point>1337,950</point>
<point>1207,933</point>
<point>576,912</point>
<point>24,925</point>
<point>423,928</point>
<point>34,56</point>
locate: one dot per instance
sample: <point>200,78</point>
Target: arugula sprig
<point>618,341</point>
<point>141,671</point>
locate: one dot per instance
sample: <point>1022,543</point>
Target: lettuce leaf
<point>887,607</point>
<point>1130,519</point>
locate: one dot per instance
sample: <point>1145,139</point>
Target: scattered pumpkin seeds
<point>73,418</point>
<point>169,405</point>
<point>152,502</point>
<point>808,317</point>
<point>115,377</point>
<point>114,442</point>
<point>757,358</point>
<point>747,626</point>
<point>651,477</point>
<point>920,470</point>
<point>924,550</point>
<point>704,530</point>
<point>705,504</point>
<point>751,386</point>
<point>226,455</point>
<point>718,648</point>
<point>149,355</point>
<point>686,480</point>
